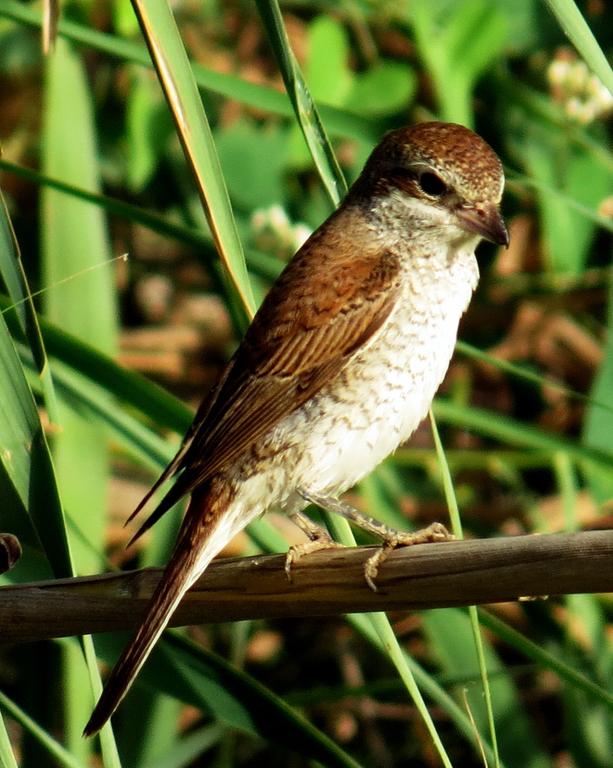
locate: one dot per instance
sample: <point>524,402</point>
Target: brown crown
<point>459,154</point>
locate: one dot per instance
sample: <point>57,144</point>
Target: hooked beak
<point>486,220</point>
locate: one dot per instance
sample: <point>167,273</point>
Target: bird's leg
<point>319,538</point>
<point>392,537</point>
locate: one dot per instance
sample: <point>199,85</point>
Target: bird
<point>338,367</point>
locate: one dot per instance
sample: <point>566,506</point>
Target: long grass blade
<point>13,273</point>
<point>176,77</point>
<point>57,751</point>
<point>339,122</point>
<point>456,525</point>
<point>7,756</point>
<point>304,107</point>
<point>578,32</point>
<point>74,240</point>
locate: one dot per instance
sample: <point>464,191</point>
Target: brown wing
<point>319,313</point>
<point>176,464</point>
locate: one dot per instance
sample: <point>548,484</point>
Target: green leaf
<point>7,758</point>
<point>386,87</point>
<point>185,751</point>
<point>80,295</point>
<point>575,172</point>
<point>456,42</point>
<point>14,276</point>
<point>328,51</point>
<point>59,754</point>
<point>451,636</point>
<point>508,430</point>
<point>247,152</point>
<point>598,426</point>
<point>26,462</point>
<point>589,722</point>
<point>339,122</point>
<point>545,658</point>
<point>479,643</point>
<point>148,129</point>
<point>205,680</point>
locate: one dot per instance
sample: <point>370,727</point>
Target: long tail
<point>201,537</point>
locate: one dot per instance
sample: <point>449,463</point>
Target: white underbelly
<point>341,434</point>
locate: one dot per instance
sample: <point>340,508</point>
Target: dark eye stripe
<point>402,174</point>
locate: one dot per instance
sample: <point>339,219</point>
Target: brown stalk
<point>325,583</point>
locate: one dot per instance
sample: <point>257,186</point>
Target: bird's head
<point>443,176</point>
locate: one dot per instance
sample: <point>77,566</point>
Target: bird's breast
<point>385,390</point>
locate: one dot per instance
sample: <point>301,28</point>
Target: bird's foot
<point>433,533</point>
<point>392,538</point>
<point>319,539</point>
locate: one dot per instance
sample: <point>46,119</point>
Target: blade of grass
<point>598,422</point>
<point>456,525</point>
<point>520,372</point>
<point>304,106</point>
<point>7,757</point>
<point>26,460</point>
<point>176,78</point>
<point>263,264</point>
<point>340,122</point>
<point>578,32</point>
<point>129,387</point>
<point>13,273</point>
<point>108,745</point>
<point>544,658</point>
<point>507,430</point>
<point>185,751</point>
<point>74,240</point>
<point>387,642</point>
<point>593,735</point>
<point>205,680</point>
<point>54,748</point>
<point>426,682</point>
<point>450,636</point>
<point>141,747</point>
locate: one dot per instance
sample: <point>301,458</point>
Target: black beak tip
<point>495,228</point>
<point>503,237</point>
<point>486,221</point>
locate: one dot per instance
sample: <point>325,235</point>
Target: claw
<point>297,551</point>
<point>433,533</point>
<point>391,537</point>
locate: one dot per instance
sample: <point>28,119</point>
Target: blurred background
<point>92,169</point>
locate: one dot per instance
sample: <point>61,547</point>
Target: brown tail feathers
<point>189,559</point>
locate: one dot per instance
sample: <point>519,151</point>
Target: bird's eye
<point>432,184</point>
